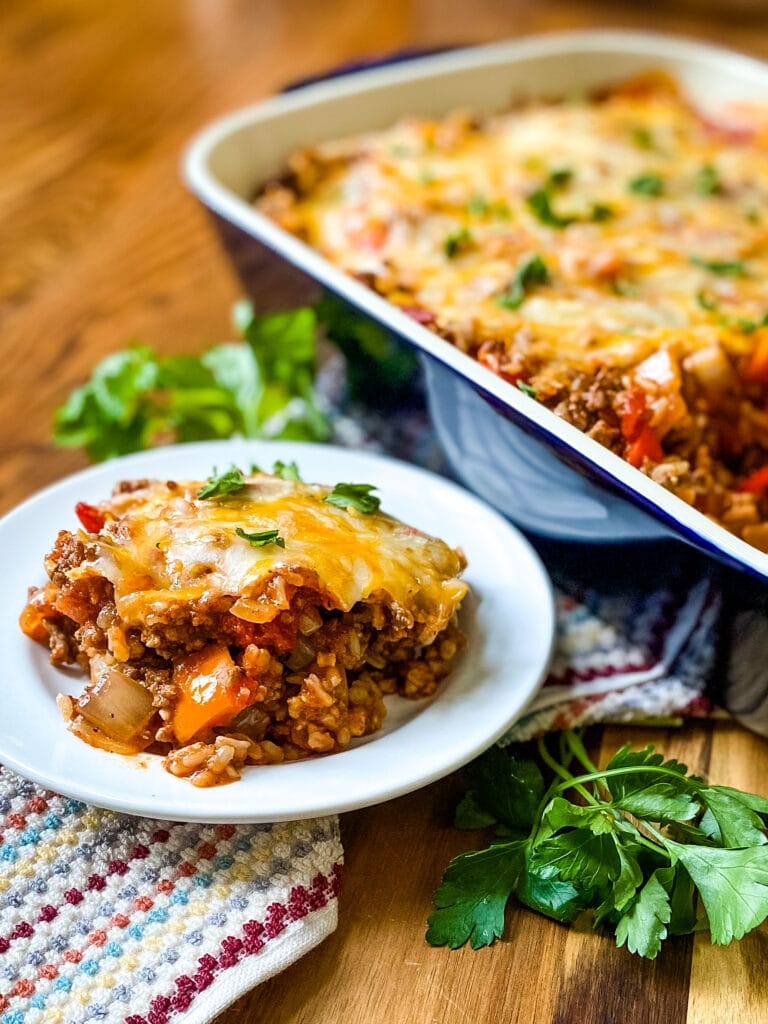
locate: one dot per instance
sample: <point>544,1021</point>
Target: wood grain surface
<point>100,244</point>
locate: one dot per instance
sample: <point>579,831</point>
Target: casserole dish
<point>539,470</point>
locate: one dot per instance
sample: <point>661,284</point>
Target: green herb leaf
<point>707,301</point>
<point>707,181</point>
<point>643,925</point>
<point>526,389</point>
<point>260,540</point>
<point>457,242</point>
<point>725,268</point>
<point>540,206</point>
<point>286,471</point>
<point>616,854</point>
<point>531,273</point>
<point>356,496</point>
<point>601,213</point>
<point>473,896</point>
<point>220,484</point>
<point>647,185</point>
<point>559,178</point>
<point>643,138</point>
<point>733,885</point>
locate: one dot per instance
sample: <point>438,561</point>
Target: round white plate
<point>508,618</point>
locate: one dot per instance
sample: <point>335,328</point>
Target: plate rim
<point>160,808</point>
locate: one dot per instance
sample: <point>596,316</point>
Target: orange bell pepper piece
<point>211,690</point>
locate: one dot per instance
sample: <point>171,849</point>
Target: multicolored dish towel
<point>111,918</point>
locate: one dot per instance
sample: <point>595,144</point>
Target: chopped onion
<point>116,704</point>
<point>301,655</point>
<point>96,737</point>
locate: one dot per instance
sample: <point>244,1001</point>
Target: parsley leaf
<point>262,386</point>
<point>726,268</point>
<point>540,206</point>
<point>356,496</point>
<point>526,389</point>
<point>559,177</point>
<point>286,471</point>
<point>220,484</point>
<point>647,185</point>
<point>260,540</point>
<point>471,901</point>
<point>530,273</point>
<point>707,181</point>
<point>457,242</point>
<point>644,925</point>
<point>644,839</point>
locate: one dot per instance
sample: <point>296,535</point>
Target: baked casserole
<point>252,619</point>
<point>608,255</point>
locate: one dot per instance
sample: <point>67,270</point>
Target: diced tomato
<point>757,482</point>
<point>756,370</point>
<point>645,446</point>
<point>421,316</point>
<point>91,518</point>
<point>211,690</point>
<point>633,408</point>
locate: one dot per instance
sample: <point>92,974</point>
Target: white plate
<point>509,621</point>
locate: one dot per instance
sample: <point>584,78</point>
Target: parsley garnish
<point>643,138</point>
<point>601,212</point>
<point>707,302</point>
<point>643,839</point>
<point>531,272</point>
<point>260,540</point>
<point>286,471</point>
<point>261,386</point>
<point>647,185</point>
<point>707,181</point>
<point>726,268</point>
<point>526,389</point>
<point>457,242</point>
<point>356,496</point>
<point>220,484</point>
<point>559,178</point>
<point>540,206</point>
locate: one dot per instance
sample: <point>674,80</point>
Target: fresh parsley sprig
<point>220,484</point>
<point>356,496</point>
<point>262,386</point>
<point>286,471</point>
<point>644,840</point>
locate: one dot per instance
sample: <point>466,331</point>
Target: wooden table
<point>99,243</point>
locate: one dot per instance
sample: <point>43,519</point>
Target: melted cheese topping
<point>161,546</point>
<point>662,238</point>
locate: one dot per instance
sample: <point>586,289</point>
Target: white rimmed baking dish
<point>538,469</point>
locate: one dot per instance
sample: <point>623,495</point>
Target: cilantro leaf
<point>647,795</point>
<point>529,274</point>
<point>260,540</point>
<point>219,484</point>
<point>471,901</point>
<point>581,855</point>
<point>643,925</point>
<point>286,471</point>
<point>526,389</point>
<point>733,885</point>
<point>559,177</point>
<point>356,496</point>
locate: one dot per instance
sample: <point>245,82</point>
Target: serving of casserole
<point>247,620</point>
<point>581,217</point>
